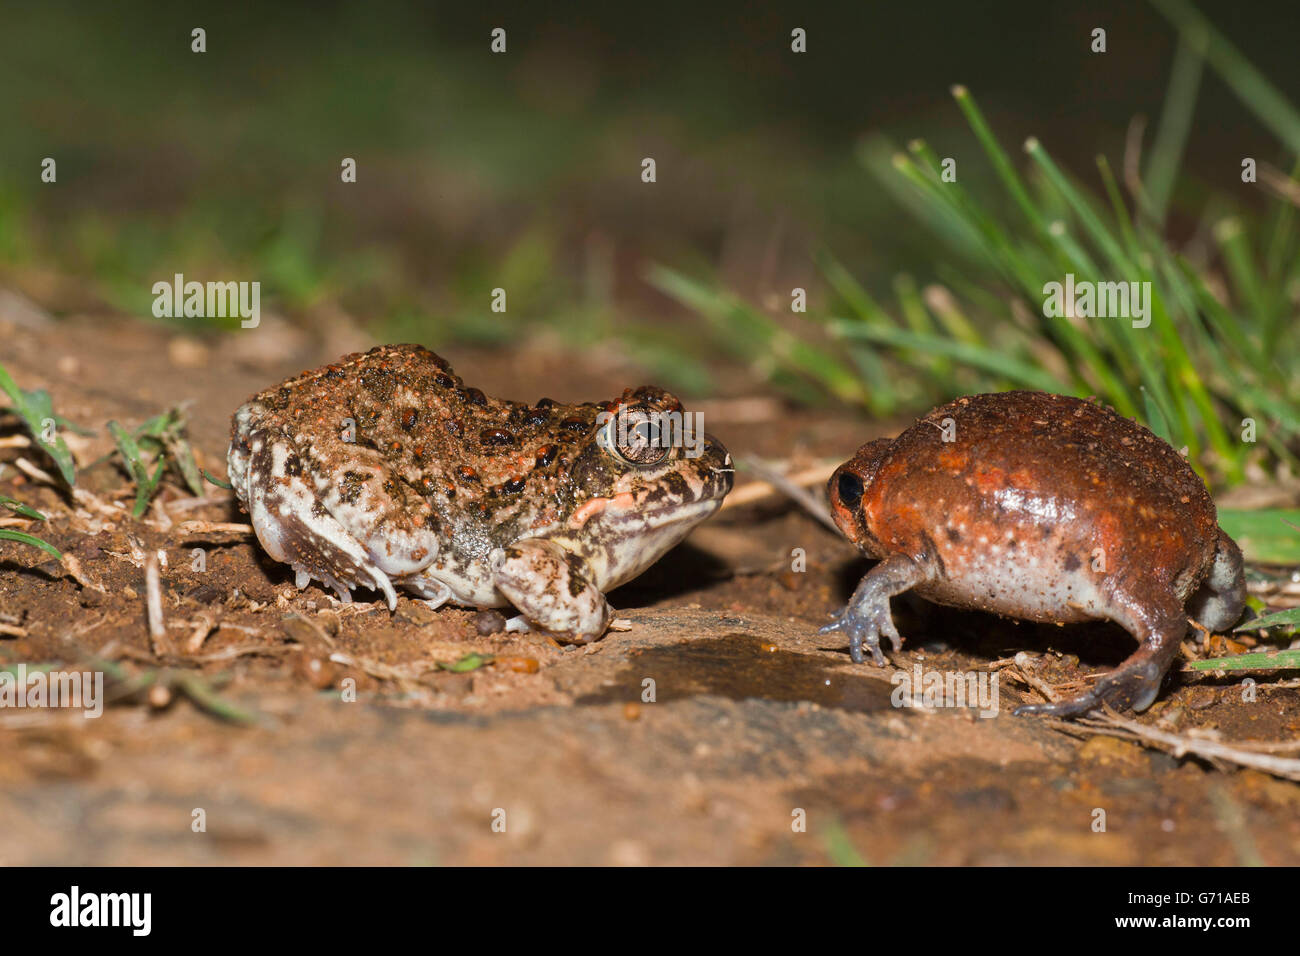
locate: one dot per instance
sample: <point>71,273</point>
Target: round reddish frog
<point>1046,508</point>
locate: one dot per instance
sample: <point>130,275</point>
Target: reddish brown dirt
<point>757,722</point>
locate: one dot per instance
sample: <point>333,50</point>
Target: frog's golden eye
<point>637,436</point>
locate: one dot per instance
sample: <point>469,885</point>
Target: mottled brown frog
<point>385,470</point>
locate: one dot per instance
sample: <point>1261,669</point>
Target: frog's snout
<point>849,483</point>
<point>721,467</point>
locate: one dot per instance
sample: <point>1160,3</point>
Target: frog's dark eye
<point>848,488</point>
<point>637,437</point>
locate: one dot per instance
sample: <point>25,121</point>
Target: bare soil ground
<point>758,723</point>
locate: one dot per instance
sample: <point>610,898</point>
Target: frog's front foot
<point>865,624</point>
<point>867,615</point>
<point>553,590</point>
<point>518,625</point>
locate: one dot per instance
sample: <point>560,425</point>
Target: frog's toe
<point>877,656</point>
<point>432,592</point>
<point>835,625</point>
<point>1146,696</point>
<point>862,628</point>
<point>341,590</point>
<point>886,621</point>
<point>1061,708</point>
<point>303,577</point>
<point>1134,688</point>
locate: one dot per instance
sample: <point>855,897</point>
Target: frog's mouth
<point>689,503</point>
<point>622,534</point>
<point>623,513</point>
<point>650,519</point>
<point>622,542</point>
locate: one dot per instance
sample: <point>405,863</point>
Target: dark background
<point>478,170</point>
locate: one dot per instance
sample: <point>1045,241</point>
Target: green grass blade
<point>1154,417</point>
<point>201,693</point>
<point>1081,208</point>
<point>36,409</point>
<point>8,534</point>
<point>1001,162</point>
<point>183,455</point>
<point>988,359</point>
<point>1287,617</point>
<point>1267,536</point>
<point>1175,121</point>
<point>13,504</point>
<point>1254,661</point>
<point>213,479</point>
<point>145,483</point>
<point>1260,96</point>
<point>760,333</point>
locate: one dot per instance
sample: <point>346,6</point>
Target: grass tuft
<point>36,411</point>
<point>163,439</point>
<point>1210,367</point>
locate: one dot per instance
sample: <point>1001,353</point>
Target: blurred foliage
<point>1220,347</point>
<point>521,171</point>
<point>474,172</point>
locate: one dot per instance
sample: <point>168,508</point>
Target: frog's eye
<point>849,488</point>
<point>637,437</point>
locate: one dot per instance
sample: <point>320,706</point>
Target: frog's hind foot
<point>1135,684</point>
<point>308,539</point>
<point>1125,688</point>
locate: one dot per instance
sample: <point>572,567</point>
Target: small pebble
<point>160,696</point>
<point>520,665</point>
<point>489,622</point>
<point>187,353</point>
<point>318,671</point>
